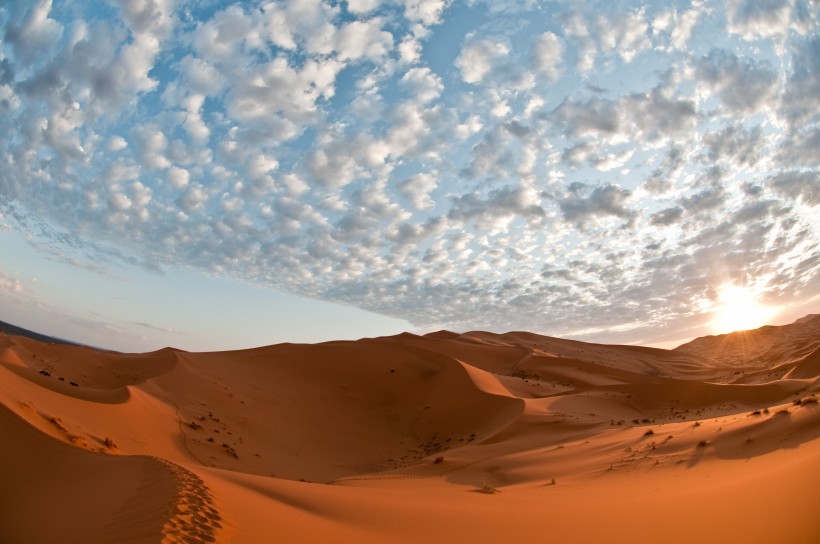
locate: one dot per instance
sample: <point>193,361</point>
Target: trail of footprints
<point>189,517</point>
<point>194,516</point>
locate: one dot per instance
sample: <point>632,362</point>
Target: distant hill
<point>8,328</point>
<point>771,350</point>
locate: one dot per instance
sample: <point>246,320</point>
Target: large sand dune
<point>447,437</point>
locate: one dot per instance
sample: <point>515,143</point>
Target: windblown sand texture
<point>474,437</point>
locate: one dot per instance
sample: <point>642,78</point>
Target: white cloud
<point>362,6</point>
<point>409,50</point>
<point>423,84</point>
<point>152,145</point>
<point>363,39</point>
<point>427,12</point>
<point>582,206</point>
<point>9,284</point>
<point>547,53</point>
<point>626,35</point>
<point>119,202</point>
<point>684,27</point>
<point>178,177</point>
<point>417,190</point>
<point>194,123</point>
<point>224,37</point>
<point>30,29</point>
<point>803,186</point>
<point>479,57</point>
<point>753,19</point>
<point>743,84</point>
<point>801,100</point>
<point>278,26</point>
<point>193,198</point>
<point>116,143</point>
<point>201,77</point>
<point>262,164</point>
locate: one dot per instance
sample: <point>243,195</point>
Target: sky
<point>217,175</point>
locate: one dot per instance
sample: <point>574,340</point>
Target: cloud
<point>582,206</point>
<point>796,185</point>
<point>152,145</point>
<point>422,83</point>
<point>801,99</point>
<point>193,198</point>
<point>626,35</point>
<point>743,85</point>
<point>666,217</point>
<point>30,30</point>
<point>707,199</point>
<point>363,39</point>
<point>498,207</point>
<point>427,12</point>
<point>547,53</point>
<point>801,148</point>
<point>417,190</point>
<point>479,57</point>
<point>593,117</point>
<point>754,20</point>
<point>201,77</point>
<point>116,143</point>
<point>735,144</point>
<point>362,6</point>
<point>9,284</point>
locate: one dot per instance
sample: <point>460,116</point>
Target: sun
<point>737,309</point>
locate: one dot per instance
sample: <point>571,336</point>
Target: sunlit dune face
<point>738,310</point>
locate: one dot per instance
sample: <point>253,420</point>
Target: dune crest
<point>476,436</point>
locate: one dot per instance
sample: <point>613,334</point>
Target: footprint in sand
<point>195,518</point>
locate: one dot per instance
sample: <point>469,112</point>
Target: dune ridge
<point>445,437</point>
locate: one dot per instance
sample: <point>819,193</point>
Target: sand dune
<point>447,437</point>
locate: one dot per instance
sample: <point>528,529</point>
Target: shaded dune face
<point>151,439</point>
<point>54,492</point>
<point>326,411</point>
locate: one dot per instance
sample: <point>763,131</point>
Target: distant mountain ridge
<point>8,328</point>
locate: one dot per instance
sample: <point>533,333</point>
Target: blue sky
<point>215,175</point>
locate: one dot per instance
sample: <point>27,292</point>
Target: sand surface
<point>474,437</point>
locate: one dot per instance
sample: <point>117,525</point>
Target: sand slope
<point>474,437</point>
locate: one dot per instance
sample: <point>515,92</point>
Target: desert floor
<point>447,437</point>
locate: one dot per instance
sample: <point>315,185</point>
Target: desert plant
<point>487,489</point>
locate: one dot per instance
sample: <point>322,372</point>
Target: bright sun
<point>737,309</point>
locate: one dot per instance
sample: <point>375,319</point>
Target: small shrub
<point>703,443</point>
<point>649,432</point>
<point>487,489</point>
<point>438,460</point>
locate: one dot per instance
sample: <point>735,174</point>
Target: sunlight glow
<point>738,310</point>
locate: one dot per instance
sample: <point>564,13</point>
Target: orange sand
<point>439,438</point>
